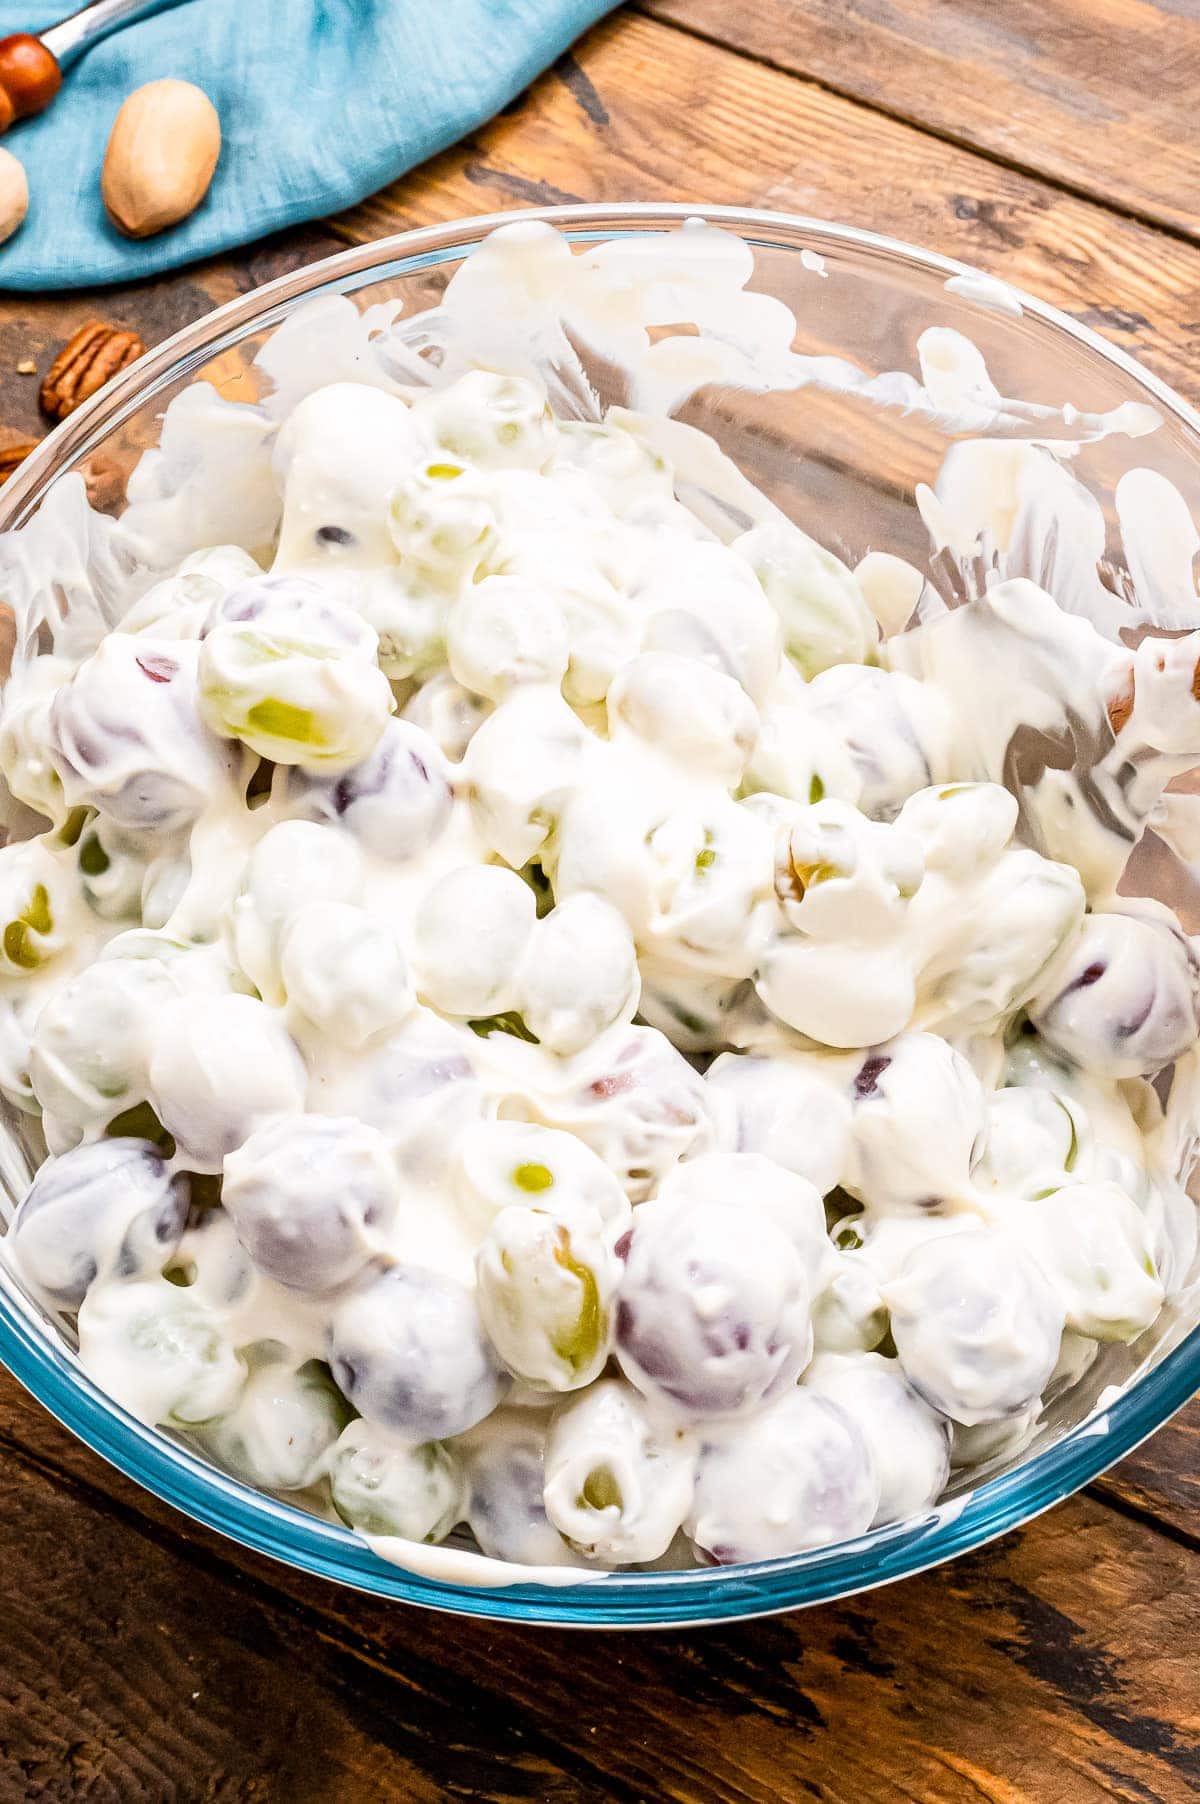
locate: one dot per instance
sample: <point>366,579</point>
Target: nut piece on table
<point>13,454</point>
<point>86,362</point>
<point>14,194</point>
<point>29,77</point>
<point>161,155</point>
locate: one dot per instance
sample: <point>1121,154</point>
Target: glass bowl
<point>843,444</point>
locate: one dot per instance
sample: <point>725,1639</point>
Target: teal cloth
<point>320,104</point>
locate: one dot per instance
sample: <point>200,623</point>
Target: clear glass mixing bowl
<point>847,469</point>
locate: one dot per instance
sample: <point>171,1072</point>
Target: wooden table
<point>1053,142</point>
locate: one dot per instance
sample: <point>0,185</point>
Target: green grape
<point>281,720</point>
<point>543,1301</point>
<point>33,923</point>
<point>1072,1152</point>
<point>535,876</point>
<point>381,1485</point>
<point>797,879</point>
<point>272,648</point>
<point>533,1177</point>
<point>442,521</point>
<point>579,1343</point>
<point>93,859</point>
<point>600,1491</point>
<point>285,1424</point>
<point>292,677</point>
<point>508,1023</point>
<point>139,1122</point>
<point>161,1351</point>
<point>824,615</point>
<point>72,827</point>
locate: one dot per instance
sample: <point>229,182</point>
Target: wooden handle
<point>29,77</point>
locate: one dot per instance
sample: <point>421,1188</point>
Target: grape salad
<point>550,1024</point>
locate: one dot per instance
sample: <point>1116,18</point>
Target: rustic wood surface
<point>146,1660</point>
<point>1098,95</point>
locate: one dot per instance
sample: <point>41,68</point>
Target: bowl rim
<point>311,1544</point>
<point>257,304</point>
<point>694,1597</point>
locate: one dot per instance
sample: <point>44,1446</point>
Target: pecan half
<point>14,454</point>
<point>104,479</point>
<point>1120,706</point>
<point>86,362</point>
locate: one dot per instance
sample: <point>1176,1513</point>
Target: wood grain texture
<point>33,328</point>
<point>1161,1478</point>
<point>120,1684</point>
<point>644,112</point>
<point>1096,94</point>
<point>1054,1664</point>
<point>147,1660</point>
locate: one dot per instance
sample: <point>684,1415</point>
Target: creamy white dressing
<point>463,1566</point>
<point>986,291</point>
<point>401,878</point>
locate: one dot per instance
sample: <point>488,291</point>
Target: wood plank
<point>1054,1664</point>
<point>1161,1479</point>
<point>1096,94</point>
<point>129,1677</point>
<point>645,112</point>
<point>1045,1667</point>
<point>34,327</point>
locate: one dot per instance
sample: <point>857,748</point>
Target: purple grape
<point>409,1351</point>
<point>310,1197</point>
<point>1124,1001</point>
<point>111,1204</point>
<point>712,1311</point>
<point>397,801</point>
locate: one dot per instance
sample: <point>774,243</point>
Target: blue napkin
<point>321,103</point>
